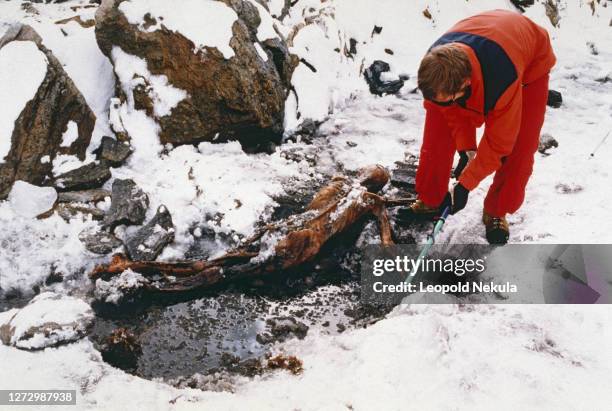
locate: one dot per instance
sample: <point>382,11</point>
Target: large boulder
<point>43,113</point>
<point>216,72</point>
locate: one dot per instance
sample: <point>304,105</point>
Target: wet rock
<point>149,241</point>
<point>281,329</point>
<point>39,129</point>
<point>121,349</point>
<point>223,97</point>
<point>555,99</point>
<point>99,242</point>
<point>85,196</point>
<point>113,151</point>
<point>70,210</point>
<point>49,320</point>
<point>546,143</point>
<point>91,175</point>
<point>128,206</point>
<point>377,86</point>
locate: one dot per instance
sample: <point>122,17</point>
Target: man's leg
<point>507,192</point>
<point>436,161</point>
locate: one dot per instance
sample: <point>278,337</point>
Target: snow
<point>23,69</point>
<point>261,52</point>
<point>68,315</point>
<point>26,259</point>
<point>208,23</point>
<point>29,200</point>
<point>70,135</point>
<point>132,71</point>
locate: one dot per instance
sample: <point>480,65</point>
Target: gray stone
<point>100,242</point>
<point>113,151</point>
<point>70,210</point>
<point>149,241</point>
<point>89,176</point>
<point>128,206</point>
<point>85,196</point>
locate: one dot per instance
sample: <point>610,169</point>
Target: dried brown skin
<point>40,126</point>
<point>242,97</point>
<point>333,209</point>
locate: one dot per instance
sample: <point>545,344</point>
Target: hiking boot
<point>418,211</point>
<point>496,228</point>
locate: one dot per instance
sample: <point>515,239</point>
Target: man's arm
<point>501,130</point>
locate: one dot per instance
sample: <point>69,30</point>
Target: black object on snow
<point>379,87</point>
<point>149,241</point>
<point>554,99</point>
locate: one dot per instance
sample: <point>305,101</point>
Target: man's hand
<point>465,157</point>
<point>460,198</point>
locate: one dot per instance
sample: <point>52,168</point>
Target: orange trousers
<point>507,192</point>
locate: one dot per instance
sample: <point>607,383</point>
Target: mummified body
<point>282,245</point>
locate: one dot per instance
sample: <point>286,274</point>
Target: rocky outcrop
<point>214,96</point>
<point>38,132</point>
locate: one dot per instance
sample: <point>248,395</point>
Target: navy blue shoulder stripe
<point>498,71</point>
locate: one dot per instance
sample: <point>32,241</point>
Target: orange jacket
<point>507,51</point>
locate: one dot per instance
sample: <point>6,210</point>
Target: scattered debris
<point>99,242</point>
<point>283,362</point>
<point>281,329</point>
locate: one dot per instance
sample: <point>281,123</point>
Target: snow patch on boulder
<point>132,72</point>
<point>49,320</point>
<point>31,201</point>
<point>23,69</point>
<point>70,135</point>
<point>212,28</point>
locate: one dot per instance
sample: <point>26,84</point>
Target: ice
<point>208,23</point>
<point>29,200</point>
<point>23,69</point>
<point>116,288</point>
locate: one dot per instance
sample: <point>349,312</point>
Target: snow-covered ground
<point>436,357</point>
